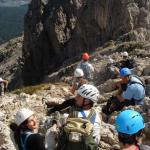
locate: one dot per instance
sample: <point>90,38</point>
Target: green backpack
<point>77,133</point>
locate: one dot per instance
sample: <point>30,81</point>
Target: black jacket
<point>35,141</point>
<point>64,105</point>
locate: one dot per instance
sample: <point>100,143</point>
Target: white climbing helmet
<point>22,115</point>
<point>90,92</point>
<point>125,54</point>
<point>78,73</point>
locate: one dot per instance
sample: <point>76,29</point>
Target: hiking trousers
<point>113,104</point>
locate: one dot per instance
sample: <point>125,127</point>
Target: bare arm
<point>5,83</point>
<point>73,88</point>
<point>120,98</point>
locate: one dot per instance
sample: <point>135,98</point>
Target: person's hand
<point>115,85</point>
<point>50,104</point>
<point>114,95</point>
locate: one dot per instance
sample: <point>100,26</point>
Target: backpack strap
<point>138,78</point>
<point>24,141</point>
<point>134,82</point>
<point>91,117</point>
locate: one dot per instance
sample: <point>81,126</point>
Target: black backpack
<point>130,63</point>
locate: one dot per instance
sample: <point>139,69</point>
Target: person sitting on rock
<point>130,125</point>
<point>87,68</point>
<point>113,71</point>
<point>127,62</point>
<point>24,126</point>
<point>79,80</point>
<point>3,86</point>
<point>132,93</point>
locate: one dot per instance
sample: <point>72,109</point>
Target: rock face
<point>59,30</point>
<point>10,62</point>
<point>58,92</point>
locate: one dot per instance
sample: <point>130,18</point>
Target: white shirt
<point>1,80</point>
<point>87,68</point>
<point>96,127</point>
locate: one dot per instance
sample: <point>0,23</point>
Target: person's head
<point>78,73</point>
<point>125,54</point>
<point>85,56</point>
<point>125,74</point>
<point>129,125</point>
<point>25,119</point>
<point>87,95</point>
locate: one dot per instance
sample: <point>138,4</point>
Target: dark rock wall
<point>63,29</point>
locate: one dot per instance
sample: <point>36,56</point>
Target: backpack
<point>24,140</point>
<point>87,69</point>
<point>134,82</point>
<point>77,133</point>
<point>124,86</point>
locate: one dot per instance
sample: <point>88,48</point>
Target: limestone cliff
<point>11,62</point>
<point>60,30</point>
<point>58,92</point>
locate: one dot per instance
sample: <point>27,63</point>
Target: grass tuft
<point>32,89</point>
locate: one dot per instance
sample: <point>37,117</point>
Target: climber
<point>130,125</point>
<point>87,96</point>
<point>24,126</point>
<point>87,68</point>
<point>78,80</point>
<point>113,71</point>
<point>127,62</point>
<point>3,86</point>
<point>131,93</point>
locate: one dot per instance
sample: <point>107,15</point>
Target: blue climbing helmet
<point>129,122</point>
<point>125,72</point>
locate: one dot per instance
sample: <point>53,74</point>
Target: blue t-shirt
<point>134,91</point>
